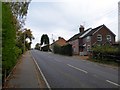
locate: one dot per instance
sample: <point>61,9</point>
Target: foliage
<point>56,49</point>
<point>64,50</point>
<point>19,10</point>
<point>8,38</point>
<point>21,39</point>
<point>28,34</point>
<point>106,52</point>
<point>105,49</point>
<point>37,46</point>
<point>44,39</point>
<point>12,37</point>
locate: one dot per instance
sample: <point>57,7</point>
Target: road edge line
<point>41,72</point>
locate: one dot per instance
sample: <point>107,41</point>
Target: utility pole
<point>52,37</point>
<point>119,21</point>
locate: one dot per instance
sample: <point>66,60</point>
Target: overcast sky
<point>63,17</point>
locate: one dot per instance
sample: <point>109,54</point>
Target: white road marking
<point>112,83</point>
<point>41,73</point>
<point>77,68</point>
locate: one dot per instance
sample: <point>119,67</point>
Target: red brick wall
<point>103,31</point>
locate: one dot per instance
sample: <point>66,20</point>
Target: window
<point>99,37</point>
<point>108,37</point>
<point>88,38</point>
<point>88,47</point>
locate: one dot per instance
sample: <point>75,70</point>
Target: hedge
<point>106,52</point>
<point>63,50</point>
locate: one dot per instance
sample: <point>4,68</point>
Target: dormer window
<point>99,37</point>
<point>108,37</point>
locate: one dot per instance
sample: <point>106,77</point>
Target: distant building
<point>61,41</point>
<point>85,39</point>
<point>119,21</point>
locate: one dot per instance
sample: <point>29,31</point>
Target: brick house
<point>85,39</point>
<point>61,41</point>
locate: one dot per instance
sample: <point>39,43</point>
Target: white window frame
<point>88,47</point>
<point>88,38</point>
<point>99,37</point>
<point>108,39</point>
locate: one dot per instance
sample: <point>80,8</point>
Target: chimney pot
<point>81,29</point>
<point>59,38</point>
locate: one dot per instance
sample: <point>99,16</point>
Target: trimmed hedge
<point>106,52</point>
<point>63,50</point>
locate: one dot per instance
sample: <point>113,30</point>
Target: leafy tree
<point>28,34</point>
<point>37,46</point>
<point>19,10</point>
<point>44,39</point>
<point>21,39</point>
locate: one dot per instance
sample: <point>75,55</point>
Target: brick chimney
<point>81,29</point>
<point>59,38</point>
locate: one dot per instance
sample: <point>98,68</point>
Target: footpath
<point>25,74</point>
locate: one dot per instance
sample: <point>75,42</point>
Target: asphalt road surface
<point>70,72</point>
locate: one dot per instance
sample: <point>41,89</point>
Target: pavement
<point>25,74</point>
<point>69,72</point>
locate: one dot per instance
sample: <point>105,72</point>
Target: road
<point>70,72</point>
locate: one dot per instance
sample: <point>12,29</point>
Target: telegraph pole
<point>119,21</point>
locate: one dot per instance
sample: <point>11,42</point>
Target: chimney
<point>59,38</point>
<point>81,29</point>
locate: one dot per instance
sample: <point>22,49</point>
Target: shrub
<point>105,52</point>
<point>64,50</point>
<point>56,49</point>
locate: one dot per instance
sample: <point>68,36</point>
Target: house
<point>61,41</point>
<point>85,39</point>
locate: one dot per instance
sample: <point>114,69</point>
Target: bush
<point>56,49</point>
<point>64,50</point>
<point>18,52</point>
<point>105,52</point>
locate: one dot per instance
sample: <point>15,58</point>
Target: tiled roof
<point>93,30</point>
<point>76,36</point>
<point>60,42</point>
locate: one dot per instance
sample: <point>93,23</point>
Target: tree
<point>19,10</point>
<point>28,34</point>
<point>21,40</point>
<point>37,46</point>
<point>44,39</point>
